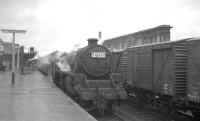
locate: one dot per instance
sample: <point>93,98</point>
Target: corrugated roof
<point>142,31</point>
<point>186,39</point>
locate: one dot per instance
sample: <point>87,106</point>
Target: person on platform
<point>4,66</point>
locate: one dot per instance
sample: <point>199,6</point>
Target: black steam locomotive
<point>167,75</point>
<point>90,80</point>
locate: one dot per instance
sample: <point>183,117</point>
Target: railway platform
<point>34,97</point>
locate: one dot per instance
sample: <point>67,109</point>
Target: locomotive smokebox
<point>92,41</point>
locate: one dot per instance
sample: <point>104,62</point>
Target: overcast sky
<point>60,24</point>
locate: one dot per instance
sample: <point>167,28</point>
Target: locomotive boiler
<point>90,80</point>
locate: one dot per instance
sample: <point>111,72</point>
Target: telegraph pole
<point>13,49</point>
<point>18,50</point>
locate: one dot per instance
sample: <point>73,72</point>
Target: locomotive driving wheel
<point>102,111</point>
<point>112,106</point>
<point>87,105</point>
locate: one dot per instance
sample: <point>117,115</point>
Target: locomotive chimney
<point>92,41</point>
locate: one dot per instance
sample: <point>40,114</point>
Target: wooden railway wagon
<point>119,63</point>
<point>166,74</point>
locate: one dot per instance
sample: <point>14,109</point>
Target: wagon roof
<point>168,42</point>
<point>112,50</point>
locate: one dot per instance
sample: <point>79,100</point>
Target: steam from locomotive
<point>59,59</point>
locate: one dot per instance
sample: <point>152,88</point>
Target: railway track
<point>107,116</point>
<point>132,112</point>
<point>147,113</point>
<point>127,112</point>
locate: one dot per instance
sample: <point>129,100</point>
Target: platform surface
<point>34,97</point>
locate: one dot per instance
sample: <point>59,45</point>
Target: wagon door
<point>161,70</point>
<point>194,71</point>
<point>116,62</point>
<point>144,70</point>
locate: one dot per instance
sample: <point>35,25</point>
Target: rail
<point>112,80</point>
<point>86,82</point>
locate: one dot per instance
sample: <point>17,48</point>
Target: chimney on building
<point>31,49</point>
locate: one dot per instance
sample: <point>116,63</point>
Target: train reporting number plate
<point>98,55</point>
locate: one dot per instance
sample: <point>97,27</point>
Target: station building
<point>6,54</point>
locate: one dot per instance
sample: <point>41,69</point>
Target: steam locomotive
<point>166,75</point>
<point>90,81</point>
